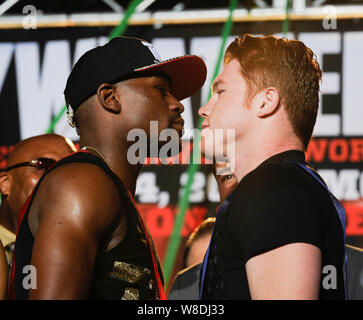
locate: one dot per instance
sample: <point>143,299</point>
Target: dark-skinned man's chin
<point>176,125</point>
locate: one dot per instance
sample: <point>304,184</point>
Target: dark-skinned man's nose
<point>176,105</point>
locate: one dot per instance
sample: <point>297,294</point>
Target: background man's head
<point>197,243</point>
<point>17,183</point>
<point>225,178</point>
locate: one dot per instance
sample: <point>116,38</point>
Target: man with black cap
<point>81,233</point>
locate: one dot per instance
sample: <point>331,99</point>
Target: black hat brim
<point>187,74</point>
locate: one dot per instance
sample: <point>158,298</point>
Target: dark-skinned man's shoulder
<point>82,190</point>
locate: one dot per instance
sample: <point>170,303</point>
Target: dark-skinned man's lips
<point>179,123</point>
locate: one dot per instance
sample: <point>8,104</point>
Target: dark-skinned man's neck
<point>116,157</point>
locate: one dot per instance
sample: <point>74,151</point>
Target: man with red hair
<point>281,237</point>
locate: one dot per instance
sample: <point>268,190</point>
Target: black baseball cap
<point>124,57</point>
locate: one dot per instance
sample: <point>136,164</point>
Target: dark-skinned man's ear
<point>106,94</point>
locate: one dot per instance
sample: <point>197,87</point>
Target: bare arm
<point>291,272</point>
<point>3,273</point>
<point>77,209</point>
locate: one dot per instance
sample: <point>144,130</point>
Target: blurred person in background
<point>186,282</point>
<point>197,243</point>
<point>3,273</point>
<point>25,165</point>
<point>355,272</point>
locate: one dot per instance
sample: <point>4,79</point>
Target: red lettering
<point>159,220</point>
<point>184,157</point>
<point>193,218</point>
<point>155,161</point>
<point>316,150</point>
<point>354,214</point>
<point>357,150</point>
<point>334,154</point>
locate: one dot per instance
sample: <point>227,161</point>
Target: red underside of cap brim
<point>187,73</point>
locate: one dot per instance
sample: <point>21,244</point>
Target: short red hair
<point>287,65</point>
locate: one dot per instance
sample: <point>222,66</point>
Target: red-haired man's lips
<point>204,125</point>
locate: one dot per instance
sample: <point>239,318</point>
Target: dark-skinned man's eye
<point>163,91</point>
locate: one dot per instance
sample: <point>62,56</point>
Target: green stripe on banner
<point>175,238</point>
<point>120,29</point>
<point>286,21</point>
<point>117,31</point>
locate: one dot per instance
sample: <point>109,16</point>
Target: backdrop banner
<point>35,63</point>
